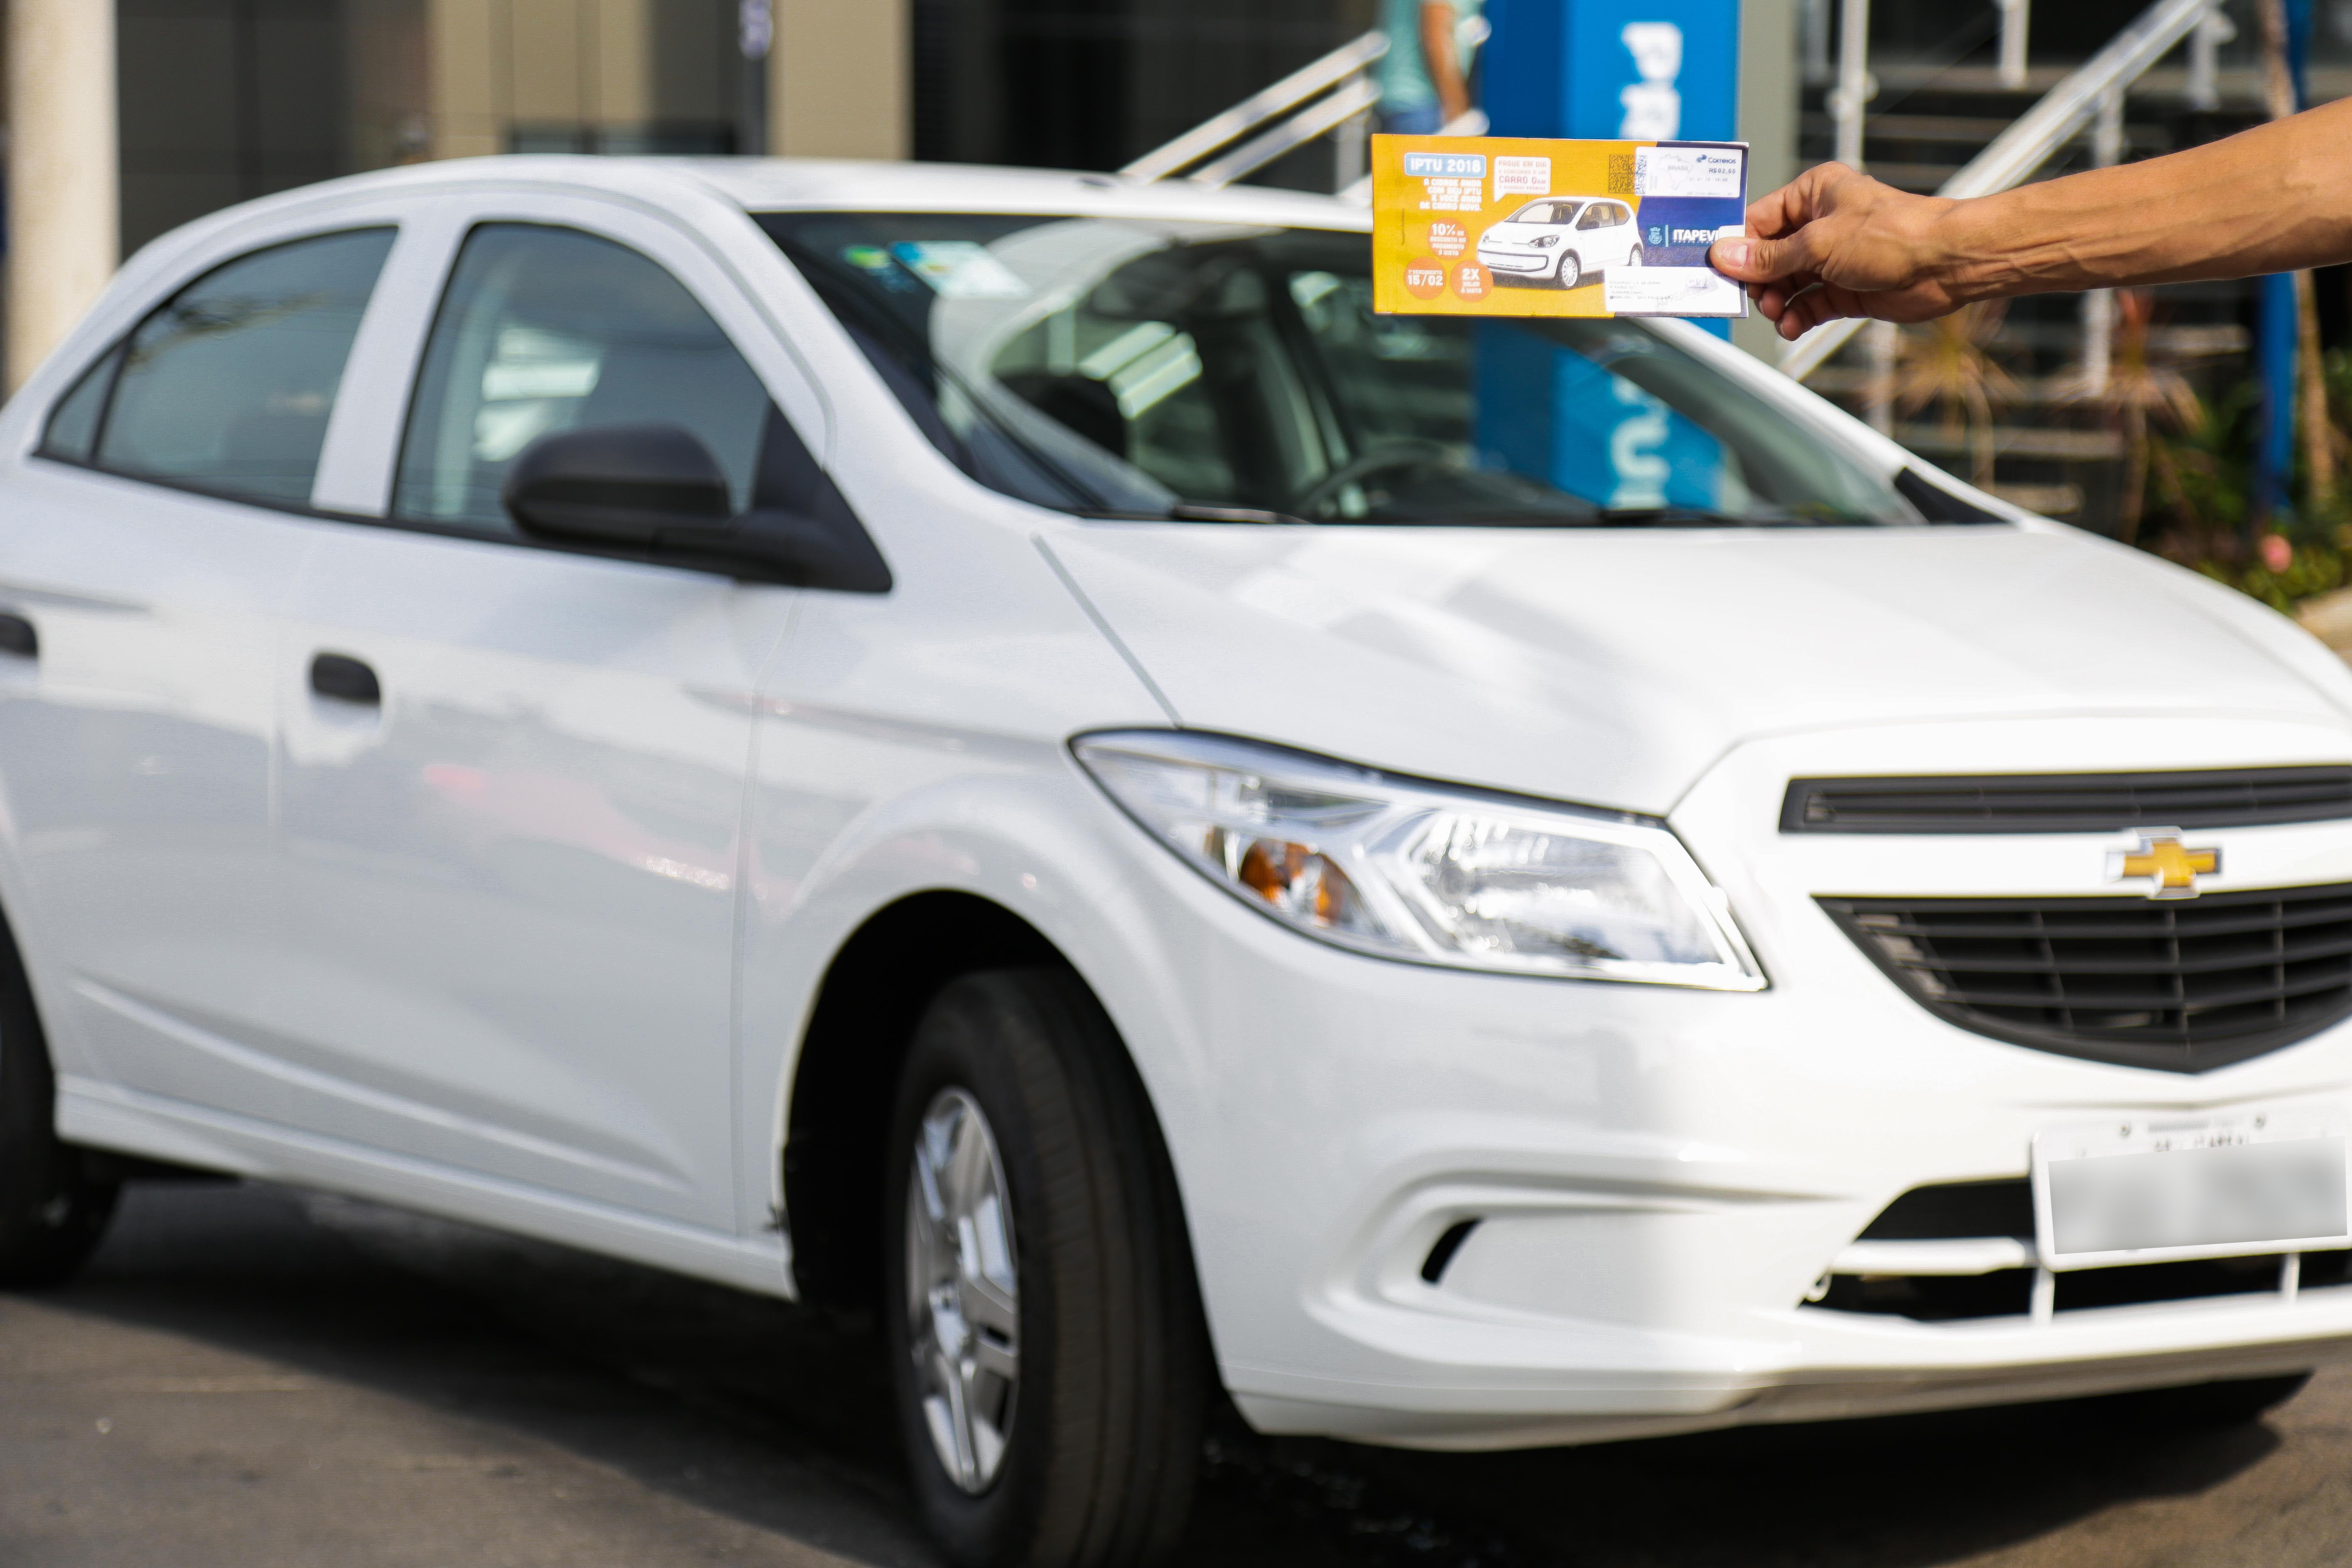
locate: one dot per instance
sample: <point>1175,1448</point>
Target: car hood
<point>1614,666</point>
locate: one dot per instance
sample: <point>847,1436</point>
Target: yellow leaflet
<point>1500,225</point>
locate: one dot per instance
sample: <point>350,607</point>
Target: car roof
<point>786,185</point>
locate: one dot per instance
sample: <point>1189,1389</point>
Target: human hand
<point>1833,242</point>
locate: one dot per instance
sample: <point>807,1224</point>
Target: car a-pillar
<point>970,1157</point>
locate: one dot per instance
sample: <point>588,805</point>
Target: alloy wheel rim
<point>963,1294</point>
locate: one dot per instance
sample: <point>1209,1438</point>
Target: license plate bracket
<point>2145,1189</point>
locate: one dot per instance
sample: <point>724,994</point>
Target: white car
<point>998,746</point>
<point>1563,241</point>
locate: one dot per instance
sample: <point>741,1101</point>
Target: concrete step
<point>2328,617</point>
<point>2016,441</point>
<point>2050,500</point>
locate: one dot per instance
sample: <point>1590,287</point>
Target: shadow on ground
<point>774,1417</point>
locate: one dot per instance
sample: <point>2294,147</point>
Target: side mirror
<point>656,489</point>
<point>645,485</point>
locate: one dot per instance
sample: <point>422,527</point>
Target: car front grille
<point>2181,984</point>
<point>2067,803</point>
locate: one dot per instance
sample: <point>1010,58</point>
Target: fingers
<point>1796,204</point>
<point>1760,260</point>
<point>1777,212</point>
<point>1812,308</point>
<point>1828,303</point>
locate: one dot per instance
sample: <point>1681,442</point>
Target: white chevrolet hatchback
<point>998,747</point>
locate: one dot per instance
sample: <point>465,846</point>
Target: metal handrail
<point>2011,157</point>
<point>1271,103</point>
<point>1301,128</point>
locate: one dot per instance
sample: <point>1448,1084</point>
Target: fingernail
<point>1731,253</point>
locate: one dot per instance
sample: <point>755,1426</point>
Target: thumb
<point>1754,260</point>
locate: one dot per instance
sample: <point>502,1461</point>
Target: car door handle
<point>17,637</point>
<point>346,680</point>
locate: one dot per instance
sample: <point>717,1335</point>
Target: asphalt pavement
<point>261,1378</point>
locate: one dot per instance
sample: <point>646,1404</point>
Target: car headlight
<point>1547,240</point>
<point>1402,869</point>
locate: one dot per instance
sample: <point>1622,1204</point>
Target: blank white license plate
<point>2140,1189</point>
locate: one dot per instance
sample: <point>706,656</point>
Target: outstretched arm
<point>1836,243</point>
<point>1437,24</point>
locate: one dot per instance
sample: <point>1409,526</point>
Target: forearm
<point>1437,24</point>
<point>2272,199</point>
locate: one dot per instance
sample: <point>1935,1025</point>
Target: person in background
<point>1425,76</point>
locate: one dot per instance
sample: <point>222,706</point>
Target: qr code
<point>1621,174</point>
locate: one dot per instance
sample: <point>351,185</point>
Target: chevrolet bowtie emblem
<point>2170,866</point>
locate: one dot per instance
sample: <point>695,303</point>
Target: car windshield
<point>1544,212</point>
<point>1165,369</point>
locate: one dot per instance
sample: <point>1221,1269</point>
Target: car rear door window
<point>226,386</point>
<point>544,329</point>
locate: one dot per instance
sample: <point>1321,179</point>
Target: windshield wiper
<point>1184,511</point>
<point>1702,517</point>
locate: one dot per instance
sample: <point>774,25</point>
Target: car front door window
<point>545,330</point>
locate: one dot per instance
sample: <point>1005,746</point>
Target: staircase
<point>2058,445</point>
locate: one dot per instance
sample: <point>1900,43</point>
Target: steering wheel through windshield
<point>1389,456</point>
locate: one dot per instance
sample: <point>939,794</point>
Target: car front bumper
<point>1659,1176</point>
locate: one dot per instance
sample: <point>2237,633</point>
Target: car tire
<point>1633,256</point>
<point>2234,1402</point>
<point>55,1198</point>
<point>1079,1447</point>
<point>1570,271</point>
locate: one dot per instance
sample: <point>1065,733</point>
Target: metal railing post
<point>1883,348</point>
<point>1817,42</point>
<point>2205,59</point>
<point>1852,90</point>
<point>1349,146</point>
<point>2016,17</point>
<point>2099,304</point>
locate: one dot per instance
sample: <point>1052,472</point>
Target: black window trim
<point>749,574</point>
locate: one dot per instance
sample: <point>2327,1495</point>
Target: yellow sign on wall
<point>1498,225</point>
